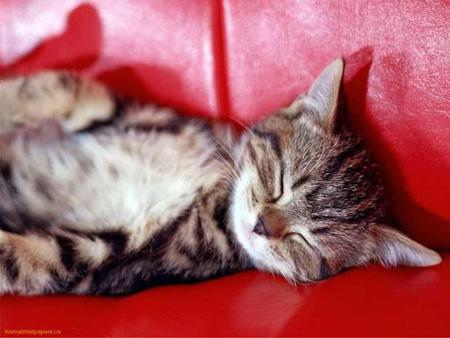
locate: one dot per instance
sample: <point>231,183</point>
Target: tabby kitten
<point>100,196</point>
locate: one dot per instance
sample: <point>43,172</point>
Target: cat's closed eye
<point>307,234</point>
<point>299,182</point>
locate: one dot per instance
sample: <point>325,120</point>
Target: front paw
<point>48,130</point>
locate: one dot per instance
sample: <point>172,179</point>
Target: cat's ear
<point>322,97</point>
<point>393,248</point>
<point>319,103</point>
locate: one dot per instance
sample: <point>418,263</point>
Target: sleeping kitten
<point>110,198</point>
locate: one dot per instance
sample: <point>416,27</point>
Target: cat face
<point>308,201</point>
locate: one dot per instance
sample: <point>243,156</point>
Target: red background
<point>240,60</point>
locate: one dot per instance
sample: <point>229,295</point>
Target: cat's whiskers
<point>242,125</point>
<point>227,151</point>
<point>231,166</point>
<point>231,172</point>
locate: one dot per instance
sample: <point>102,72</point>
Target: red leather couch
<point>241,59</point>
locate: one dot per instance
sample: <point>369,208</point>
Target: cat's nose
<point>272,223</point>
<point>260,228</point>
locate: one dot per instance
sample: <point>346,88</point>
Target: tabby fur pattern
<point>99,195</point>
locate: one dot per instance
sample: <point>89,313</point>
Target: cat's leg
<point>29,263</point>
<point>75,102</point>
<point>24,276</point>
<point>61,262</point>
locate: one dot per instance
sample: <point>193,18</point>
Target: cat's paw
<point>47,130</point>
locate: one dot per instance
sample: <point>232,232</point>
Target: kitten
<point>115,197</point>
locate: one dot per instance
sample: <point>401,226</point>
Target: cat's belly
<point>111,181</point>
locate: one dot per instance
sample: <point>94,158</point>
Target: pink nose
<point>271,223</point>
<point>260,228</point>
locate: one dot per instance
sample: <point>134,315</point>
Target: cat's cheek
<point>260,249</point>
<point>242,232</point>
<point>242,228</point>
<point>257,249</point>
<point>242,220</point>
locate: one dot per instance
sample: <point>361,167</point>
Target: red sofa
<point>239,60</point>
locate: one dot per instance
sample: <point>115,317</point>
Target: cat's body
<point>154,197</point>
<point>116,208</point>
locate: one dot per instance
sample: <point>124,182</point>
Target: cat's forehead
<point>299,125</point>
<point>297,138</point>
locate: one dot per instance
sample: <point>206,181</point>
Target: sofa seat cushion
<point>370,301</point>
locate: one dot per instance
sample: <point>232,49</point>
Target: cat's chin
<point>263,258</point>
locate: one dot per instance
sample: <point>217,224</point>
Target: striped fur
<point>116,208</point>
<point>309,201</point>
<point>151,197</point>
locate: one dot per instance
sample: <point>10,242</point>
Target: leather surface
<point>155,50</point>
<point>364,302</point>
<point>240,60</point>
